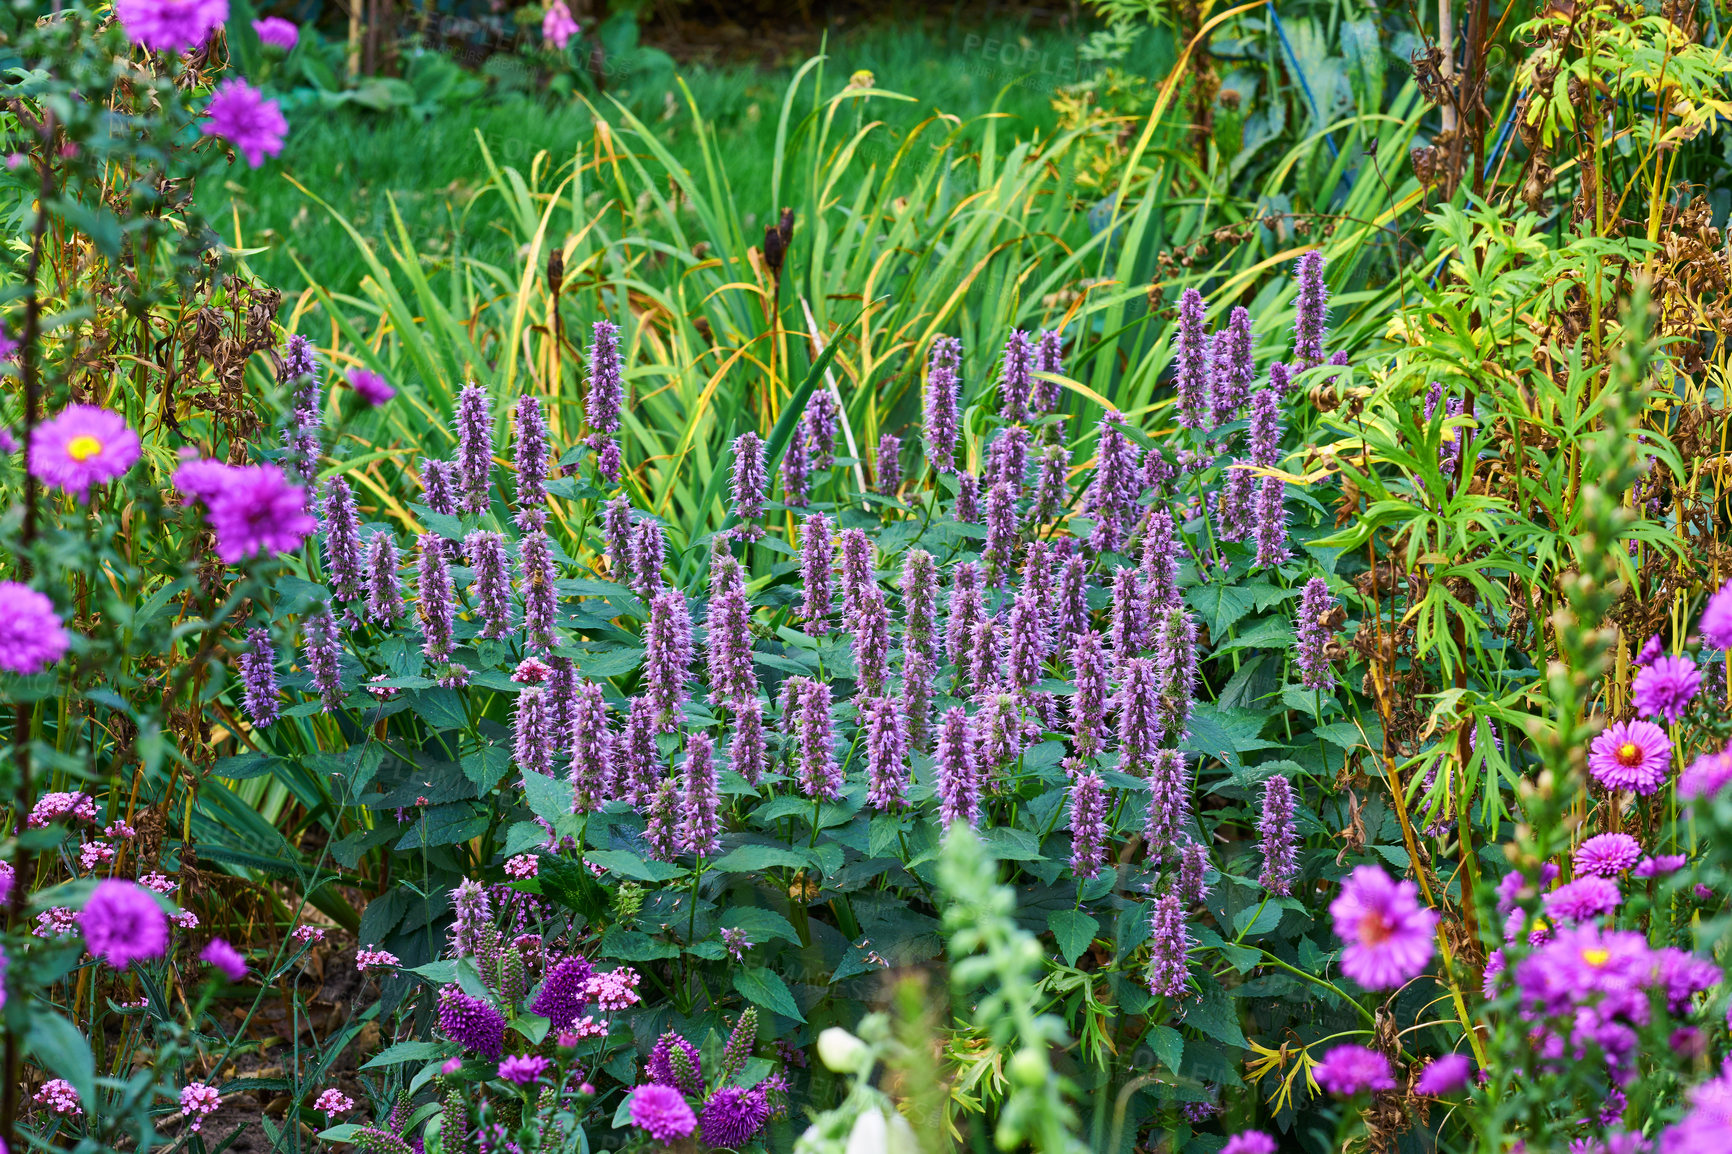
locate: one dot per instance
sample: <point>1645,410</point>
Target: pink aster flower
<point>662,1112</point>
<point>222,956</point>
<point>1715,624</point>
<point>1348,1070</point>
<point>1388,933</point>
<point>277,32</point>
<point>1446,1074</point>
<point>523,1070</point>
<point>1582,899</point>
<point>1660,865</point>
<point>1665,688</point>
<point>31,637</point>
<point>254,510</point>
<point>1706,776</point>
<point>122,923</point>
<point>82,446</point>
<point>1630,755</point>
<point>1249,1142</point>
<point>370,386</point>
<point>1607,854</point>
<point>170,25</point>
<point>240,114</point>
<point>1704,1129</point>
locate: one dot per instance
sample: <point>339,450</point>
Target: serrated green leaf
<point>1168,1045</point>
<point>761,925</point>
<point>766,988</point>
<point>755,858</point>
<point>628,864</point>
<point>549,798</point>
<point>411,1052</point>
<point>1073,930</point>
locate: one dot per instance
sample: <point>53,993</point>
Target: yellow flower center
<point>84,447</point>
<point>1629,754</point>
<point>1596,957</point>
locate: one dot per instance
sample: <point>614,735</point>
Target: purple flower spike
<point>662,820</point>
<point>531,452</point>
<point>1265,433</point>
<point>857,574</point>
<point>1281,379</point>
<point>485,552</point>
<point>537,576</point>
<point>750,481</point>
<point>797,472</point>
<point>1271,523</point>
<point>1169,803</point>
<point>700,825</point>
<point>816,551</point>
<point>958,781</point>
<point>886,754</point>
<point>668,657</point>
<point>1314,633</point>
<point>1126,627</point>
<point>1088,826</point>
<point>434,599</point>
<point>887,470</point>
<point>1311,312</point>
<point>919,675</point>
<point>1029,640</point>
<point>985,667</point>
<point>1071,614</point>
<point>1233,509</point>
<point>341,524</point>
<point>532,732</point>
<point>920,601</point>
<point>474,425</point>
<point>606,386</point>
<point>1089,703</point>
<point>1112,498</point>
<point>967,506</point>
<point>1140,731</point>
<point>1191,355</point>
<point>820,776</point>
<point>729,634</point>
<point>648,555</point>
<point>1160,568</point>
<point>747,752</point>
<point>999,552</point>
<point>870,628</point>
<point>1169,949</point>
<point>1235,367</point>
<point>967,607</point>
<point>617,538</point>
<point>473,1023</point>
<point>1043,397</point>
<point>592,752</point>
<point>1280,839</point>
<point>257,665</point>
<point>1013,378</point>
<point>1051,484</point>
<point>1192,884</point>
<point>1007,459</point>
<point>637,761</point>
<point>384,589</point>
<point>821,422</point>
<point>942,404</point>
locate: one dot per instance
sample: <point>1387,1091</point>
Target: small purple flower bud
<point>1271,523</point>
<point>1088,825</point>
<point>537,577</point>
<point>1089,703</point>
<point>1043,396</point>
<point>1169,948</point>
<point>299,359</point>
<point>667,657</point>
<point>958,784</point>
<point>1314,634</point>
<point>1265,433</point>
<point>606,386</point>
<point>1311,312</point>
<point>434,596</point>
<point>816,552</point>
<point>341,524</point>
<point>492,585</point>
<point>1280,840</point>
<point>942,419</point>
<point>750,481</point>
<point>888,465</point>
<point>531,452</point>
<point>323,659</point>
<point>384,590</point>
<point>257,665</point>
<point>1191,357</point>
<point>592,752</point>
<point>700,825</point>
<point>474,425</point>
<point>886,754</point>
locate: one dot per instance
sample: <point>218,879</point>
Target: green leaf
<point>1009,844</point>
<point>628,864</point>
<point>58,1045</point>
<point>1258,919</point>
<point>767,989</point>
<point>1168,1045</point>
<point>439,707</point>
<point>755,858</point>
<point>549,798</point>
<point>569,882</point>
<point>411,1052</point>
<point>1219,605</point>
<point>634,946</point>
<point>1215,1015</point>
<point>761,925</point>
<point>486,766</point>
<point>1073,930</point>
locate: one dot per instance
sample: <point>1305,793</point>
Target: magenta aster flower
<point>524,1069</point>
<point>1630,755</point>
<point>80,447</point>
<point>240,114</point>
<point>170,25</point>
<point>1584,898</point>
<point>258,512</point>
<point>1706,776</point>
<point>1666,687</point>
<point>1660,865</point>
<point>1348,1070</point>
<point>1607,854</point>
<point>1715,624</point>
<point>1388,933</point>
<point>1443,1075</point>
<point>31,637</point>
<point>277,32</point>
<point>222,956</point>
<point>1249,1142</point>
<point>661,1112</point>
<point>1703,1130</point>
<point>370,386</point>
<point>122,923</point>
